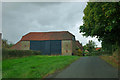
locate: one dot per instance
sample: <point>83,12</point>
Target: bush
<point>96,53</point>
<point>99,53</point>
<point>6,53</point>
<point>78,52</point>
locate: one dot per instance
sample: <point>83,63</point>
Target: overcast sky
<point>20,18</point>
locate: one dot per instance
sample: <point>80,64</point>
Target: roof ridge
<point>49,32</point>
<point>45,32</point>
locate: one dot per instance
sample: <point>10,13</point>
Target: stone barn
<point>49,43</point>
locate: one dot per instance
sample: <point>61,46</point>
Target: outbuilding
<point>49,43</point>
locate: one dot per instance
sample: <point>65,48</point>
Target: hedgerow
<point>7,53</point>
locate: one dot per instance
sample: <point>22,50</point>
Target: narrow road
<point>88,67</point>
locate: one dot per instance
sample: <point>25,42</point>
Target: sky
<point>20,18</point>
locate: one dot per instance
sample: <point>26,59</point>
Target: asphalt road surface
<point>88,67</point>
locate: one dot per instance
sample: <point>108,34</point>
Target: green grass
<point>35,66</point>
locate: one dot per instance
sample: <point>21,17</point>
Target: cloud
<point>46,1</point>
<point>20,18</point>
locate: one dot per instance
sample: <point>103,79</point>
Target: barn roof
<point>98,48</point>
<point>60,35</point>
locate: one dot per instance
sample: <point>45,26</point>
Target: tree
<point>5,44</point>
<point>90,46</point>
<point>101,19</point>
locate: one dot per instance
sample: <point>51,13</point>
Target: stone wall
<point>66,47</point>
<point>22,45</point>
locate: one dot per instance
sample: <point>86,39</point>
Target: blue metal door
<point>37,45</point>
<point>55,47</point>
<point>46,47</point>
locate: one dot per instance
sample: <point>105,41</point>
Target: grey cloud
<point>21,18</point>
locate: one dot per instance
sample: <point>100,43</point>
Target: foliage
<point>35,66</point>
<point>111,60</point>
<point>109,47</point>
<point>79,52</point>
<point>6,53</point>
<point>90,46</point>
<point>102,20</point>
<point>5,44</point>
<point>96,53</point>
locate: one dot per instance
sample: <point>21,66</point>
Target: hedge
<point>7,53</point>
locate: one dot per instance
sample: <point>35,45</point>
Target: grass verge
<point>111,60</point>
<point>34,66</point>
